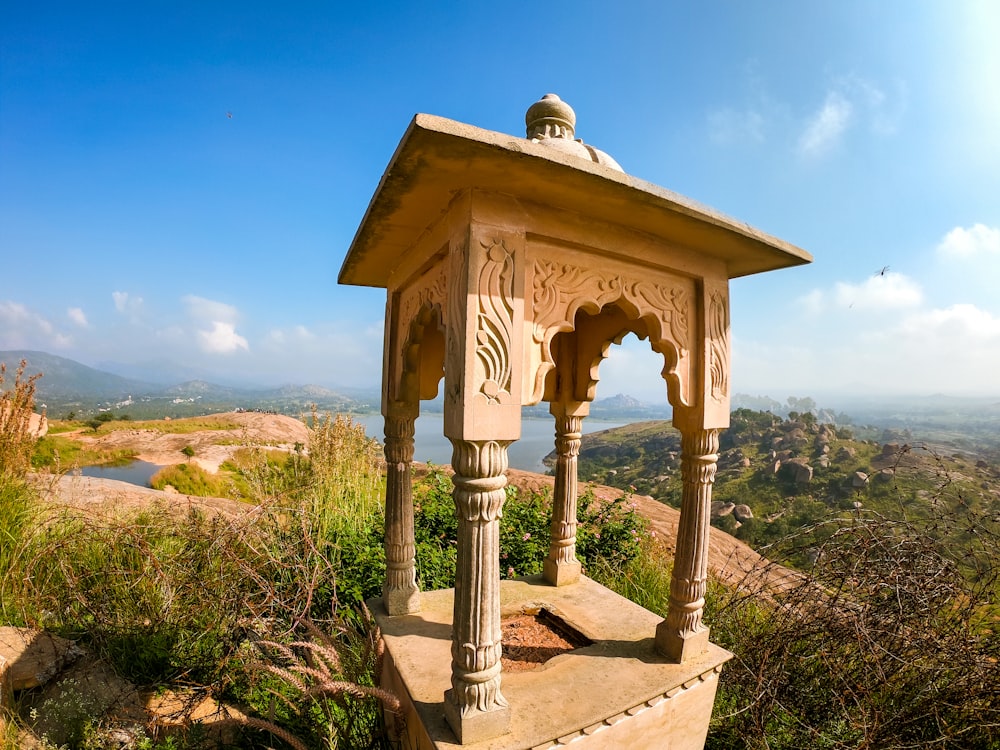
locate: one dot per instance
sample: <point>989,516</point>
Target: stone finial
<point>550,117</point>
<point>552,122</point>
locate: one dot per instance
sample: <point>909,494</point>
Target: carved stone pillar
<point>399,592</point>
<point>561,567</point>
<point>474,706</point>
<point>682,634</point>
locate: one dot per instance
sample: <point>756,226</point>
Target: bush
<point>609,533</point>
<point>889,642</point>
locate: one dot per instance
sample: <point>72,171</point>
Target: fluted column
<point>682,634</point>
<point>561,567</point>
<point>474,707</point>
<point>399,592</point>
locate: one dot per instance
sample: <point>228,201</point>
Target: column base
<point>474,725</point>
<point>561,574</point>
<point>679,647</point>
<point>401,601</point>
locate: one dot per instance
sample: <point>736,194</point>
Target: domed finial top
<point>550,117</point>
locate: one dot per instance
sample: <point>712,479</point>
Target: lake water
<point>136,472</point>
<point>431,446</point>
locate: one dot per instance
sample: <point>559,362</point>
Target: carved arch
<point>418,359</point>
<point>578,353</point>
<point>423,356</point>
<point>565,296</point>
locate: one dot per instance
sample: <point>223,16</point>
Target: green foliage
<point>188,451</point>
<point>58,453</point>
<point>18,516</point>
<point>609,533</point>
<point>887,643</point>
<point>166,597</point>
<point>190,479</point>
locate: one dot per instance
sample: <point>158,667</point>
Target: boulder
<point>742,513</point>
<point>34,657</point>
<point>859,480</point>
<point>800,470</point>
<point>721,509</point>
<point>846,452</point>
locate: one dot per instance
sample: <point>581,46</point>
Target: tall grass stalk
<point>17,440</point>
<point>347,468</point>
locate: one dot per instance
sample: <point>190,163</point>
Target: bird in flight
<point>229,115</point>
<point>882,271</point>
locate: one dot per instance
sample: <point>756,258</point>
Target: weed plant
<point>889,641</point>
<point>17,402</point>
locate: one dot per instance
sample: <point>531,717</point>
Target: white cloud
<point>883,291</point>
<point>978,240</point>
<point>960,326</point>
<point>206,309</point>
<point>814,302</point>
<point>22,328</point>
<point>126,303</point>
<point>221,339</point>
<point>77,315</point>
<point>826,126</point>
<point>952,350</point>
<point>221,336</point>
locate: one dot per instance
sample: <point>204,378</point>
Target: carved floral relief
<point>718,352</point>
<point>495,321</point>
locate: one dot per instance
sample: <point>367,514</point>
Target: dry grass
<point>17,440</point>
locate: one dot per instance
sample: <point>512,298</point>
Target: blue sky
<point>142,224</point>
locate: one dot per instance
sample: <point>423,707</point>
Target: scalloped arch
<point>660,308</point>
<point>422,355</point>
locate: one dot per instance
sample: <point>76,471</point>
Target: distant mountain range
<point>69,386</point>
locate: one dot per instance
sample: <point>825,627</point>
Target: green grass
<point>175,426</point>
<point>60,453</point>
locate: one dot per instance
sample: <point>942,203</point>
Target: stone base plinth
<point>617,692</point>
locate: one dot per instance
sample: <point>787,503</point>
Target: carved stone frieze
<point>559,290</point>
<point>718,346</point>
<point>495,322</point>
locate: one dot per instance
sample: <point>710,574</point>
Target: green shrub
<point>190,479</point>
<point>889,642</point>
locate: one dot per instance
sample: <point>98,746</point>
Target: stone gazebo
<point>511,265</point>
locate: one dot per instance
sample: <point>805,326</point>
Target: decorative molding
<point>454,353</point>
<point>718,343</point>
<point>629,713</point>
<point>495,321</point>
<point>560,290</point>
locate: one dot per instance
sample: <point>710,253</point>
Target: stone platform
<point>616,693</point>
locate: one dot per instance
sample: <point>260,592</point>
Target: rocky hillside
<point>778,476</point>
